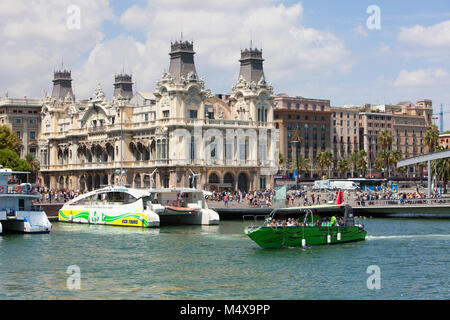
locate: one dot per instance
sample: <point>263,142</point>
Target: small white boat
<point>122,206</point>
<point>17,210</point>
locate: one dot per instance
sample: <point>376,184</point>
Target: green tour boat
<point>310,229</point>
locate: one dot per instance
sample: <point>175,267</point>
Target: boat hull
<point>93,217</point>
<point>283,236</point>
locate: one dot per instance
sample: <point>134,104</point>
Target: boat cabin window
<point>118,197</point>
<point>111,198</point>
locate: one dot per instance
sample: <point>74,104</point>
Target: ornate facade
<point>180,135</point>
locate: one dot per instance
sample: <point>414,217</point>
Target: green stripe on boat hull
<point>278,237</point>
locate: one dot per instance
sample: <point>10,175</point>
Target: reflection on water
<point>221,262</point>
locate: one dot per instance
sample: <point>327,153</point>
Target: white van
<point>343,185</point>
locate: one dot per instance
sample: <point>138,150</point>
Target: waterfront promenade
<point>417,208</point>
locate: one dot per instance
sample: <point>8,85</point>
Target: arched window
<point>213,178</point>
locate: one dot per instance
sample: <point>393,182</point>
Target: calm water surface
<point>220,262</point>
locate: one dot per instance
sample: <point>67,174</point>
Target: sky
<point>350,52</point>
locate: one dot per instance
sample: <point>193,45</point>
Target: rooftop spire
<point>182,59</point>
<point>251,64</point>
<point>62,84</point>
<point>123,85</point>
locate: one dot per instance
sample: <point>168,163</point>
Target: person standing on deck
<point>333,221</point>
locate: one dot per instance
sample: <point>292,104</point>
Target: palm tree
<point>395,157</point>
<point>34,164</point>
<point>343,166</point>
<point>385,139</point>
<point>302,163</point>
<point>362,162</point>
<point>381,159</point>
<point>443,169</point>
<point>432,137</point>
<point>324,161</point>
<point>353,161</point>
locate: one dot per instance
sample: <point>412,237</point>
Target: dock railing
<point>401,202</point>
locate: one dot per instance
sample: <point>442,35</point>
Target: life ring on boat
<point>2,189</point>
<point>18,189</point>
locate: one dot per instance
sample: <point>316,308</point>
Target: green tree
<point>324,161</point>
<point>343,166</point>
<point>382,161</point>
<point>432,137</point>
<point>34,165</point>
<point>10,159</point>
<point>362,162</point>
<point>385,139</point>
<point>443,169</point>
<point>395,157</point>
<point>353,162</point>
<point>302,164</point>
<point>8,139</point>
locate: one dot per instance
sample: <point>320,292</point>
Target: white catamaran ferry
<point>122,206</point>
<point>17,210</point>
<point>182,206</point>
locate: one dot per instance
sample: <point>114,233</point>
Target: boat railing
<point>18,189</point>
<point>254,218</point>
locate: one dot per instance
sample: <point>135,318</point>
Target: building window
<point>244,149</point>
<point>262,183</point>
<point>192,114</point>
<point>18,134</point>
<point>192,148</point>
<point>32,135</point>
<point>17,121</point>
<point>32,121</point>
<point>166,113</point>
<point>289,105</point>
<point>228,150</point>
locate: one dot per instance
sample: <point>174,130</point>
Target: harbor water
<point>412,257</point>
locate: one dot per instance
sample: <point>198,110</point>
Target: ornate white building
<point>177,136</point>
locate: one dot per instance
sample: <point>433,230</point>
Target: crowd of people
<point>291,222</point>
<point>266,198</point>
<point>389,197</point>
<point>56,196</point>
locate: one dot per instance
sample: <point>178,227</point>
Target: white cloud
<point>420,78</point>
<point>361,31</point>
<point>437,35</point>
<point>220,29</point>
<point>36,39</point>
